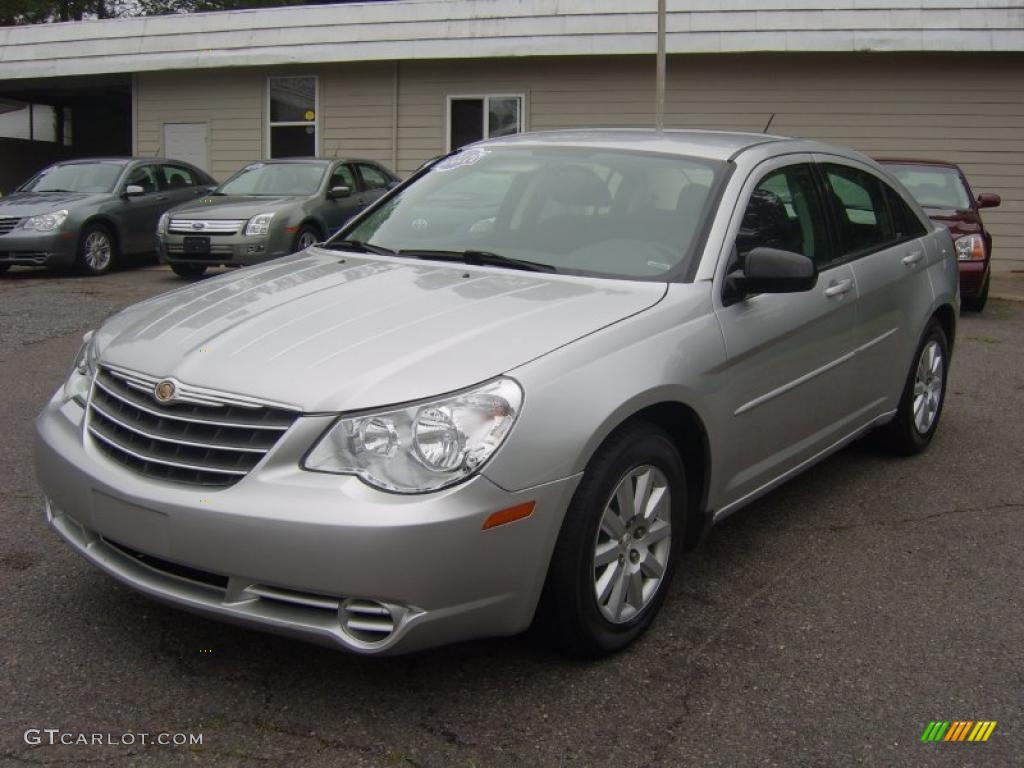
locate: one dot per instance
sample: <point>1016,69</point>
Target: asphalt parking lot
<point>827,624</point>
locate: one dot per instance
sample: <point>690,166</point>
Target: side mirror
<point>770,270</point>
<point>133,190</point>
<point>989,200</point>
<point>336,193</point>
<point>393,183</point>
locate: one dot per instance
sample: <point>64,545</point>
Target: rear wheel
<point>304,238</point>
<point>615,557</point>
<point>924,393</point>
<point>188,270</point>
<point>97,251</point>
<point>977,303</point>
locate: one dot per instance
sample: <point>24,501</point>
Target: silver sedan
<point>519,387</point>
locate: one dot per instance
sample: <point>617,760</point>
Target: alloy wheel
<point>928,382</point>
<point>306,239</point>
<point>633,542</point>
<point>97,251</point>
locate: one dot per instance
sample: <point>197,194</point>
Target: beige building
<point>403,81</point>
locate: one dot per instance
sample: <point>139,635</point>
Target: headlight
<point>161,227</point>
<point>80,377</point>
<point>421,447</point>
<point>259,224</point>
<point>45,222</point>
<point>970,248</point>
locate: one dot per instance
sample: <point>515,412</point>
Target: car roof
<point>715,145</point>
<point>910,161</point>
<point>119,160</point>
<point>318,160</point>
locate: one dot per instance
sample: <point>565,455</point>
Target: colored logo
<point>958,730</point>
<point>164,391</point>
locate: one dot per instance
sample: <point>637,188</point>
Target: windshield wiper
<point>480,258</point>
<point>358,245</point>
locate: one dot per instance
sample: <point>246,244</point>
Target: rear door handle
<point>913,257</point>
<point>838,289</point>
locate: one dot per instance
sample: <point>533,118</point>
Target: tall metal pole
<point>659,81</point>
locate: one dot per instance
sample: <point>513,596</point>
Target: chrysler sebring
<point>518,387</point>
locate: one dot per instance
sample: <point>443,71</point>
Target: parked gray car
<point>90,213</point>
<point>269,209</point>
<point>519,386</point>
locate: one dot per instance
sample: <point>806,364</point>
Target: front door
<point>141,213</point>
<point>340,210</point>
<point>785,388</point>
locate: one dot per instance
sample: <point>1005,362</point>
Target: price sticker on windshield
<point>469,157</point>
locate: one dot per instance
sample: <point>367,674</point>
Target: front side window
<point>343,177</point>
<point>862,214</point>
<point>144,176</point>
<point>75,177</point>
<point>785,212</point>
<point>272,179</point>
<point>293,116</point>
<point>580,210</point>
<point>933,186</point>
<point>472,118</point>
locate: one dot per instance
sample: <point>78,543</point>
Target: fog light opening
<point>368,621</point>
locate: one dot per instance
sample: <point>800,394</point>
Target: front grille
<point>207,226</point>
<point>203,438</point>
<point>8,223</point>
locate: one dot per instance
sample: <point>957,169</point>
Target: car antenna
<point>768,124</point>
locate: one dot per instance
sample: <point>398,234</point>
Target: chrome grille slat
<point>209,226</point>
<point>8,223</point>
<point>213,442</point>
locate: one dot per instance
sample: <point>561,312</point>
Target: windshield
<point>272,179</point>
<point>75,177</point>
<point>593,211</point>
<point>933,186</point>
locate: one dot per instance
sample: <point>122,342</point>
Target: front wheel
<point>97,250</point>
<point>188,270</point>
<point>614,557</point>
<point>924,393</point>
<point>305,237</point>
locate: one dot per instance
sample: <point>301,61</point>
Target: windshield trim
<point>683,272</point>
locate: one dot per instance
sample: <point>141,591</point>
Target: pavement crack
<point>910,520</point>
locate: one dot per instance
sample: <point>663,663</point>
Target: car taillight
<point>970,248</point>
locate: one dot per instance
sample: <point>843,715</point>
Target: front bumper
<point>972,278</point>
<point>224,249</point>
<point>29,248</point>
<point>289,551</point>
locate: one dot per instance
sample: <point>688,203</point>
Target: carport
<point>49,119</point>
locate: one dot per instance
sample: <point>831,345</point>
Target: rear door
<point>180,183</point>
<point>881,237</point>
<point>375,182</point>
<point>786,387</point>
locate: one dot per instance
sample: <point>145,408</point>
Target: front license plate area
<point>197,246</point>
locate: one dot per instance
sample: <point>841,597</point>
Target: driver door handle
<point>839,288</point>
<point>913,257</point>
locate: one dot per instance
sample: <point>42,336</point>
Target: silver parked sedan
<point>269,209</point>
<point>520,386</point>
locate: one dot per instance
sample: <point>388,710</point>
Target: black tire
<point>570,609</point>
<point>190,271</point>
<point>305,237</point>
<point>97,250</point>
<point>903,435</point>
<point>977,303</point>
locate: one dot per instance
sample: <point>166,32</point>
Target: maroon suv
<point>942,190</point>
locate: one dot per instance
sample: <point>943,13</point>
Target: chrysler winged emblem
<point>164,391</point>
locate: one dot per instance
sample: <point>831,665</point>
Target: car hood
<point>233,206</point>
<point>34,203</point>
<point>959,222</point>
<point>329,331</point>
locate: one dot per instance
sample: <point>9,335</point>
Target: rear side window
<point>785,212</point>
<point>176,177</point>
<point>861,211</point>
<point>373,177</point>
